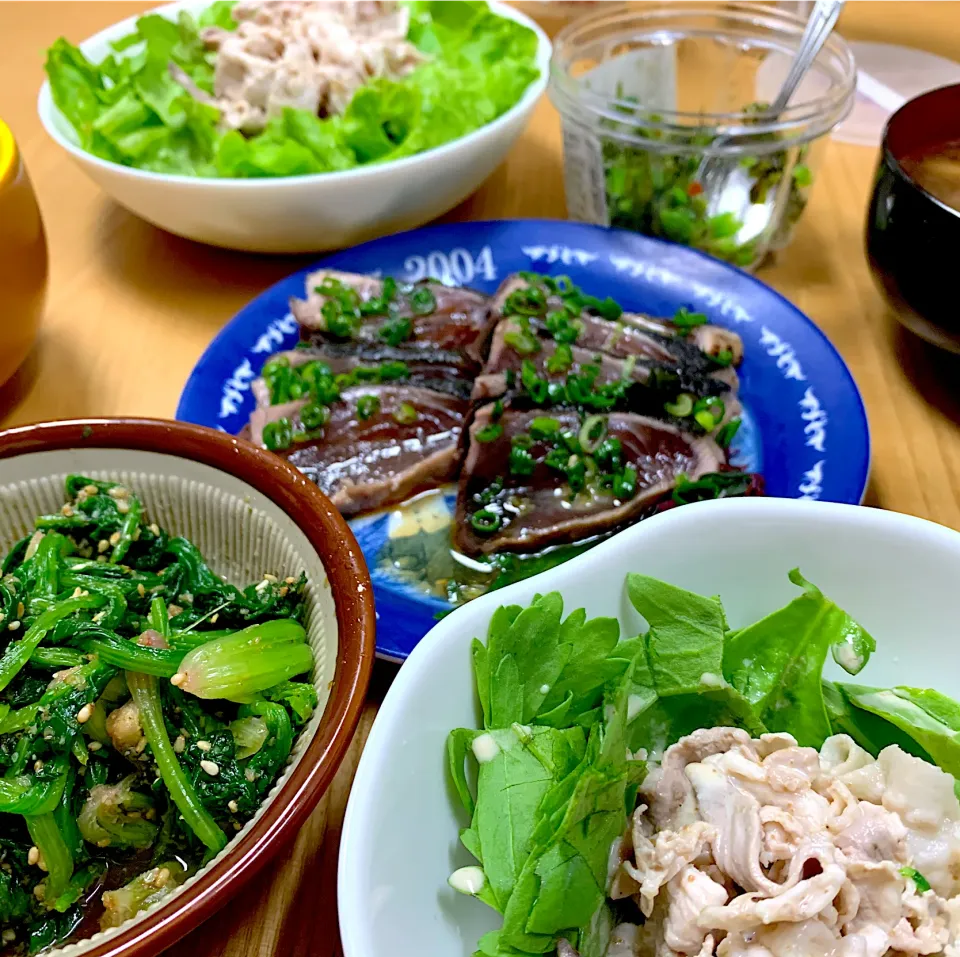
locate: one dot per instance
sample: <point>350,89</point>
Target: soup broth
<point>937,170</point>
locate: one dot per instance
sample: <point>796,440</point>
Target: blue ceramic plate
<point>805,427</point>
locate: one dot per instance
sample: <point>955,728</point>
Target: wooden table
<point>131,308</point>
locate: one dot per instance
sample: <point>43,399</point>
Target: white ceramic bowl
<point>300,214</point>
<point>897,575</point>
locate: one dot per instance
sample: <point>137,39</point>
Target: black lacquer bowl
<point>913,239</point>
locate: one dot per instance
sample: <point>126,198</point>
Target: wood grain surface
<point>131,308</point>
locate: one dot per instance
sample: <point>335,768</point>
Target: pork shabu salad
<point>699,791</point>
<point>147,708</point>
<point>262,88</point>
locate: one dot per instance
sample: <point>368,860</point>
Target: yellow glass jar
<point>23,259</point>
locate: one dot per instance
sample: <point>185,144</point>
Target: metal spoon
<point>716,171</point>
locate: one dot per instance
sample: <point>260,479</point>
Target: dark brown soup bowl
<point>248,512</point>
<point>913,239</point>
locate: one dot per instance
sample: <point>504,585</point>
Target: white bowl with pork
<point>300,214</point>
<point>893,573</point>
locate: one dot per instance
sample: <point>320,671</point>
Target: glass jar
<point>23,259</point>
<point>644,95</point>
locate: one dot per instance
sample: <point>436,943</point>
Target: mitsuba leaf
<point>686,635</point>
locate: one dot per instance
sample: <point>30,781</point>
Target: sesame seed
<point>250,776</point>
<point>173,610</point>
<point>91,489</point>
<point>102,545</point>
<point>94,746</point>
<point>178,679</point>
<point>267,577</point>
<point>236,825</point>
<point>67,511</point>
<point>38,766</point>
<point>13,626</point>
<point>203,745</point>
<point>283,590</point>
<point>211,768</point>
<point>119,491</point>
<point>155,528</point>
<point>123,507</point>
<point>33,855</point>
<point>163,875</point>
<point>179,744</point>
<point>141,745</point>
<point>214,617</point>
<point>77,592</point>
<point>20,609</point>
<point>141,591</point>
<point>8,936</point>
<point>85,713</point>
<point>39,892</point>
<point>233,807</point>
<point>290,580</point>
<point>115,538</point>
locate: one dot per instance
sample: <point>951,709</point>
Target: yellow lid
<point>8,153</point>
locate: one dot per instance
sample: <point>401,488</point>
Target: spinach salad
<point>147,707</point>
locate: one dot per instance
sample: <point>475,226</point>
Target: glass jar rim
<point>802,121</point>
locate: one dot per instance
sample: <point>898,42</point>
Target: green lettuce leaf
<point>929,718</point>
<point>660,722</point>
<point>130,109</point>
<point>871,732</point>
<point>777,663</point>
<point>218,14</point>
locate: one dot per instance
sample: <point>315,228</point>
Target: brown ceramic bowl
<point>248,512</point>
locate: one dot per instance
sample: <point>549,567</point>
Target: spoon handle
<point>819,26</point>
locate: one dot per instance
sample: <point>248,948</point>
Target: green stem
<point>56,855</point>
<point>18,652</point>
<point>159,619</point>
<point>126,654</point>
<point>145,693</point>
<point>127,530</point>
<point>186,641</point>
<point>57,658</point>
